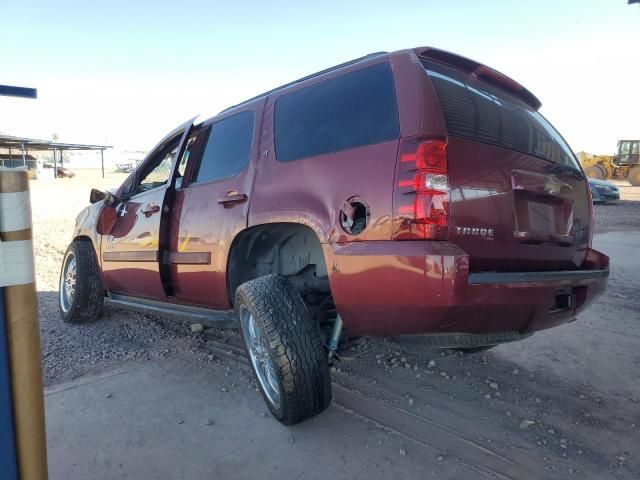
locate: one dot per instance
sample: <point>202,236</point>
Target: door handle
<point>231,198</point>
<point>150,209</point>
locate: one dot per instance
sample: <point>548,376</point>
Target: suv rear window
<point>479,111</point>
<point>355,109</point>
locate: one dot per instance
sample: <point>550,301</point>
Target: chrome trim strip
<point>190,258</point>
<point>136,256</point>
<point>486,278</point>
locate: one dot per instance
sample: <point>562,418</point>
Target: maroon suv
<point>400,193</point>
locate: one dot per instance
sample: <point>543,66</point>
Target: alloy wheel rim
<point>68,282</point>
<point>258,348</point>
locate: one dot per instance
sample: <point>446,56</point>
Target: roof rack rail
<point>326,70</point>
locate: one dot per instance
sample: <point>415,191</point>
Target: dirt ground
<point>561,404</point>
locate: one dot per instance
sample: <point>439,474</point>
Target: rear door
<point>211,205</point>
<point>131,251</point>
<point>518,198</point>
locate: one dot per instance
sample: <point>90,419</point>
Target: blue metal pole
<point>8,459</point>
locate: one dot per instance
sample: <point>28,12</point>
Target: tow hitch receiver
<point>563,300</point>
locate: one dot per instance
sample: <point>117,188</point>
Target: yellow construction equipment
<point>624,165</point>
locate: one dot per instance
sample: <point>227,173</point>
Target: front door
<point>131,252</point>
<point>211,206</point>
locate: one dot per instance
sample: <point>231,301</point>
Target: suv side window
<point>155,173</point>
<point>355,109</point>
<point>227,148</point>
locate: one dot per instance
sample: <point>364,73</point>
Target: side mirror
<point>96,195</point>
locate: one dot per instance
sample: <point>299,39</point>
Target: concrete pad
<point>600,349</point>
<point>624,253</point>
<point>149,421</point>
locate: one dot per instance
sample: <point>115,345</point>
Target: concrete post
<point>17,280</point>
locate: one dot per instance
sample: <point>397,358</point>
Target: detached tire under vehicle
<point>285,348</point>
<point>81,296</point>
<point>482,348</point>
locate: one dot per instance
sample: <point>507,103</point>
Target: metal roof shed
<point>23,144</point>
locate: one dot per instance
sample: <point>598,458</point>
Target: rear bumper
<point>530,278</point>
<point>391,288</point>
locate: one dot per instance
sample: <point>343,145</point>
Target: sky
<point>124,73</point>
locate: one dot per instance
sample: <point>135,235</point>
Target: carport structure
<point>22,146</point>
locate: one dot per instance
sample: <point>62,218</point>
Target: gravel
<point>526,423</point>
<point>598,428</point>
<point>623,215</point>
<point>72,350</point>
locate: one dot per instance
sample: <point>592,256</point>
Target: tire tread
<point>294,338</point>
<point>89,297</point>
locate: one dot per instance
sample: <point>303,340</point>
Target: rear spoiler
<point>481,72</point>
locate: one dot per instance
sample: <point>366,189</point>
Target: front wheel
<point>634,176</point>
<point>285,348</point>
<point>81,296</point>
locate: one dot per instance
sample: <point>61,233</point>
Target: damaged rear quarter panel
<point>312,190</point>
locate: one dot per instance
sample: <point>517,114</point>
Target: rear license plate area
<point>536,214</point>
<point>542,217</point>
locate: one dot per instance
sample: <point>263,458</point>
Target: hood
<point>595,181</point>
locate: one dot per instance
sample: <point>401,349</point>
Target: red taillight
<point>592,214</point>
<point>421,198</point>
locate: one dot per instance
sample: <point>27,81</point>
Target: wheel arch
<point>86,238</point>
<point>96,252</point>
<point>82,238</point>
<point>290,249</point>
